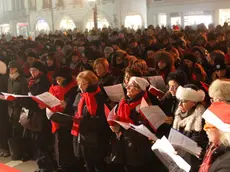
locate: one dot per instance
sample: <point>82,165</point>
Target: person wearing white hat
<point>219,90</point>
<point>217,127</point>
<point>137,152</point>
<point>188,120</point>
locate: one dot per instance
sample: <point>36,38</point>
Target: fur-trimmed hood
<point>192,122</point>
<point>164,56</point>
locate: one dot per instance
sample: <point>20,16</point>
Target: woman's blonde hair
<point>89,76</point>
<point>225,138</point>
<point>102,61</point>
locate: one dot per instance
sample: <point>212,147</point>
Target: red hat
<point>218,114</point>
<point>176,28</point>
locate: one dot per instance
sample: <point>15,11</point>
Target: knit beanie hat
<point>40,66</point>
<point>14,64</point>
<point>141,82</point>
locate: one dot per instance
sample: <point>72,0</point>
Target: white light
<point>133,21</point>
<point>91,0</point>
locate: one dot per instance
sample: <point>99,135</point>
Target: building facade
<point>189,12</point>
<point>31,17</point>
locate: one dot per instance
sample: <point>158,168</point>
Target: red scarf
<point>88,99</point>
<point>34,80</point>
<point>207,159</point>
<point>60,92</point>
<point>125,109</point>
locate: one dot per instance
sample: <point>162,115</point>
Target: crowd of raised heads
<point>104,79</point>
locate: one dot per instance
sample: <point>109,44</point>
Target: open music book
<point>156,92</point>
<point>46,98</point>
<point>178,140</point>
<point>158,82</point>
<point>115,92</point>
<point>167,154</point>
<point>155,116</point>
<point>138,128</point>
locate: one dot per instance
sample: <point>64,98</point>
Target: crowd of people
<point>75,67</point>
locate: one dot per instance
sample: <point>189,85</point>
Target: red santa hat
<point>218,114</point>
<point>176,28</point>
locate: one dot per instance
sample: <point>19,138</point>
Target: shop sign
<point>195,13</point>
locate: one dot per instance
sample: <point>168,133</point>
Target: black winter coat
<point>220,160</point>
<point>4,118</point>
<point>42,85</point>
<point>107,80</point>
<point>17,86</point>
<point>169,104</point>
<point>94,131</point>
<point>136,147</point>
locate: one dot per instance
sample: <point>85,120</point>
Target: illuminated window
<point>162,19</point>
<point>197,19</point>
<point>42,26</point>
<point>176,21</point>
<point>4,28</point>
<point>67,24</point>
<point>101,22</point>
<point>224,16</point>
<point>133,21</point>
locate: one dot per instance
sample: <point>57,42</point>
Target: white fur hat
<point>141,82</point>
<point>3,68</point>
<point>220,89</point>
<point>190,94</point>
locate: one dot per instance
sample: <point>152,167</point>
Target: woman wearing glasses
<point>217,127</point>
<point>169,101</point>
<point>188,120</point>
<point>136,148</point>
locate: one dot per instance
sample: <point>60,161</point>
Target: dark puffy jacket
<point>221,160</point>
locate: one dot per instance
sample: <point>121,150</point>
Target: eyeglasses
<point>209,127</point>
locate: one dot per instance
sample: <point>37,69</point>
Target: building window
<point>162,19</point>
<point>67,24</point>
<point>102,22</point>
<point>224,16</point>
<point>32,4</point>
<point>46,4</point>
<point>60,3</point>
<point>18,4</point>
<point>176,21</point>
<point>42,26</point>
<point>133,22</point>
<point>198,19</point>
